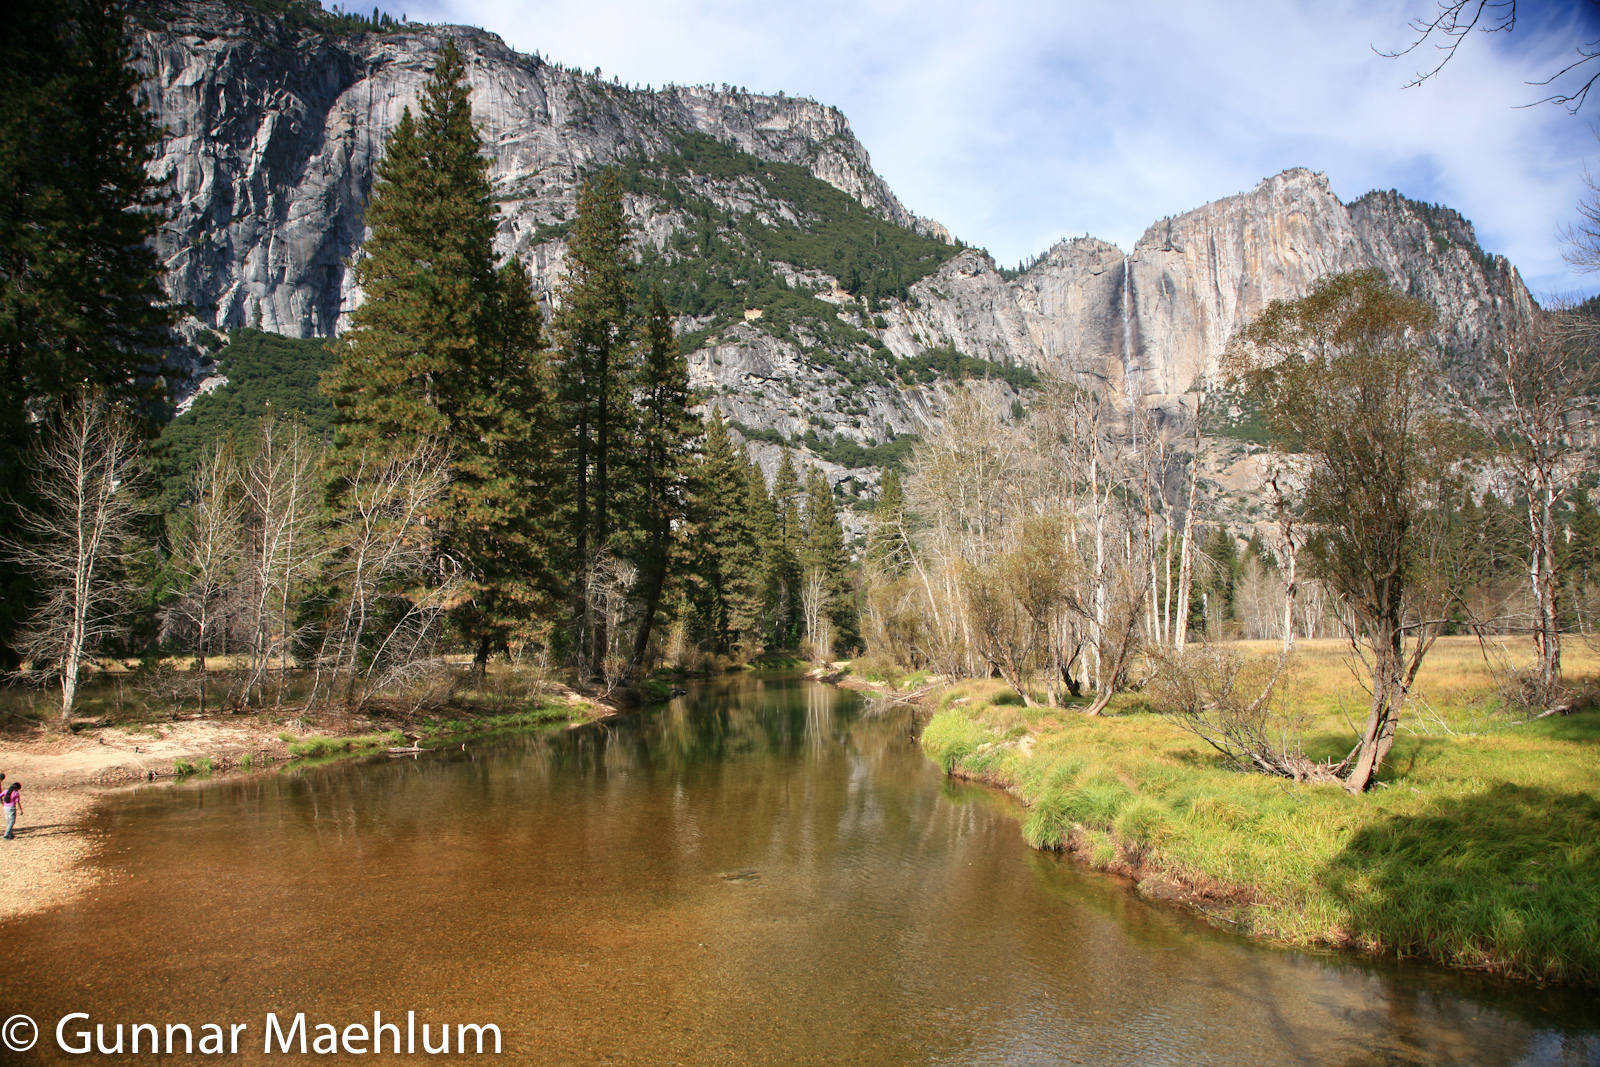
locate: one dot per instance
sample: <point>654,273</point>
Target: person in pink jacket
<point>11,803</point>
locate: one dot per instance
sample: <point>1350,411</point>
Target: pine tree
<point>81,303</point>
<point>1217,586</point>
<point>761,516</point>
<point>664,442</point>
<point>782,557</point>
<point>822,535</point>
<point>723,556</point>
<point>886,546</point>
<point>1582,558</point>
<point>507,495</point>
<point>445,349</point>
<point>595,334</point>
<point>427,274</point>
<point>822,557</point>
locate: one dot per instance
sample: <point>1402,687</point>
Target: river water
<point>756,874</point>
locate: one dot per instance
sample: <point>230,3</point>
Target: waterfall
<point>1131,368</point>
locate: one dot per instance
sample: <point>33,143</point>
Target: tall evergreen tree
<point>664,443</point>
<point>1217,582</point>
<point>781,555</point>
<point>822,554</point>
<point>821,534</point>
<point>723,562</point>
<point>595,337</point>
<point>427,273</point>
<point>446,349</point>
<point>80,298</point>
<point>507,495</point>
<point>761,515</point>
<point>1582,556</point>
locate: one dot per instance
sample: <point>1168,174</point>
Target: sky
<point>1018,123</point>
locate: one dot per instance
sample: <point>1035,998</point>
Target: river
<point>758,873</point>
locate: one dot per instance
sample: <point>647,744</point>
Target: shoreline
<point>50,861</point>
<point>65,777</point>
<point>989,745</point>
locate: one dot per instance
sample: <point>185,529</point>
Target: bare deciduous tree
<point>1454,20</point>
<point>207,555</point>
<point>394,586</point>
<point>1538,408</point>
<point>281,546</point>
<point>1237,707</point>
<point>83,510</point>
<point>815,597</point>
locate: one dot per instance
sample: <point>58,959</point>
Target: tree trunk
<point>1388,697</point>
<point>1180,634</point>
<point>652,599</point>
<point>1547,631</point>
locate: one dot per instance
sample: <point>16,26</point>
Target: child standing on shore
<point>11,803</point>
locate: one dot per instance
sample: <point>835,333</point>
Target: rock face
<point>1153,322</point>
<point>275,129</point>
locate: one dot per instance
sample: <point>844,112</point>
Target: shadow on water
<point>753,874</point>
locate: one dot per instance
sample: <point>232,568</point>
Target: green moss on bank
<point>1478,852</point>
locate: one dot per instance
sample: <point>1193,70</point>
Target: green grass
<point>655,690</point>
<point>1480,852</point>
<point>317,746</point>
<point>540,714</point>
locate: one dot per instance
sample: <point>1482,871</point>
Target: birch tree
<point>281,544</point>
<point>393,585</point>
<point>82,513</point>
<point>1538,408</point>
<point>208,554</point>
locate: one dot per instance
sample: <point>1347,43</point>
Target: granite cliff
<point>274,126</point>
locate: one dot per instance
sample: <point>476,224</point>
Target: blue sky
<point>1019,123</point>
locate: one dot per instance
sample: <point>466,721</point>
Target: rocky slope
<point>275,126</point>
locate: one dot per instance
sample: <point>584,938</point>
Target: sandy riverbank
<point>64,775</point>
<point>46,864</point>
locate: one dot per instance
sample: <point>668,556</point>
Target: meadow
<point>1479,848</point>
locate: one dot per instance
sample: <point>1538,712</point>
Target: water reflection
<point>750,875</point>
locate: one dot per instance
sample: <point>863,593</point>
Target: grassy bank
<point>1480,849</point>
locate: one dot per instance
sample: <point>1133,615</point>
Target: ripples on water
<point>751,875</point>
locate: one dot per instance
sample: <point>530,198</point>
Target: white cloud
<point>1019,123</point>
